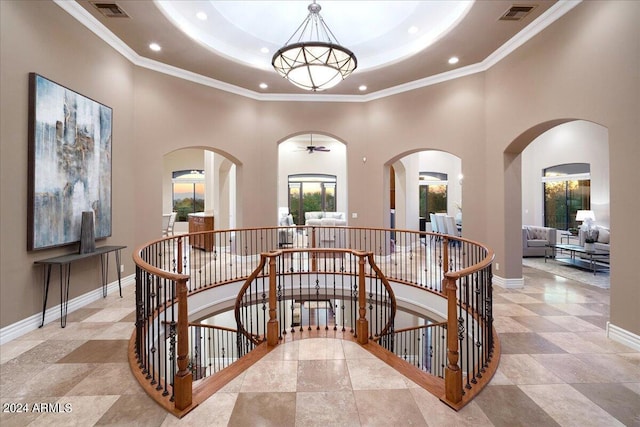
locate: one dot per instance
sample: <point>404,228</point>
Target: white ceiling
<point>378,32</point>
<point>223,51</point>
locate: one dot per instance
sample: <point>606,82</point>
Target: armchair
<point>286,235</point>
<point>537,240</point>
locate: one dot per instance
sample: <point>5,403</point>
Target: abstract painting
<point>69,164</point>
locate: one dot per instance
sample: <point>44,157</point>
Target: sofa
<point>314,218</point>
<point>536,240</point>
<point>327,235</point>
<point>601,235</point>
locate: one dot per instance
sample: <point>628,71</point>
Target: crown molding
<point>427,81</point>
<point>85,18</point>
<point>552,14</point>
<point>543,21</point>
<point>91,23</point>
<point>170,70</point>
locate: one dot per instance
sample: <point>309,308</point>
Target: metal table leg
<point>118,271</point>
<point>65,277</point>
<point>104,266</point>
<point>47,278</point>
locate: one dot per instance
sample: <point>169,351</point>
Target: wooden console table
<point>64,264</point>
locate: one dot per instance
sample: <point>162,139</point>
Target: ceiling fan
<point>313,148</point>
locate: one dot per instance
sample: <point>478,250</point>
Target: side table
<point>64,264</point>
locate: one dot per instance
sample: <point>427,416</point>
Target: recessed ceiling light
<point>264,50</point>
<point>155,47</point>
<point>453,60</point>
<point>362,88</point>
<point>263,85</point>
<point>201,16</point>
<point>412,29</point>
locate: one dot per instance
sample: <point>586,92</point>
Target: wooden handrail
<point>273,326</point>
<point>365,237</point>
<point>392,296</point>
<point>218,328</point>
<point>412,328</point>
<point>137,259</point>
<point>243,289</point>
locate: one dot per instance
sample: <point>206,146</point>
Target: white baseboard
<point>32,323</point>
<point>508,283</point>
<point>623,336</point>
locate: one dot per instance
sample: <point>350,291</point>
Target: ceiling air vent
<point>516,13</point>
<point>110,10</point>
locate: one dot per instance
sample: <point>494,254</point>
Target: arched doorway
<point>427,181</point>
<point>197,179</point>
<point>312,179</point>
<point>548,144</point>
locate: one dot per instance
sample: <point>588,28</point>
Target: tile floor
<point>557,368</point>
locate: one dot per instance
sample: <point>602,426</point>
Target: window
<point>308,193</point>
<point>567,189</point>
<point>433,193</point>
<point>188,193</point>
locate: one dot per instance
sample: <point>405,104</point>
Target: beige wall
<point>39,37</point>
<point>572,70</point>
<point>475,118</point>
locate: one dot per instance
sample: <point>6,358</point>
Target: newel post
<point>362,327</point>
<point>272,325</point>
<point>183,379</point>
<point>452,373</point>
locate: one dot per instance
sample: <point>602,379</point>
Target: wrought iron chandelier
<point>312,58</point>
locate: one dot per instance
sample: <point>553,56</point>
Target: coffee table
<point>581,258</point>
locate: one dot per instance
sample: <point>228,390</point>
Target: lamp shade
<point>584,215</point>
<point>314,66</point>
<point>316,61</point>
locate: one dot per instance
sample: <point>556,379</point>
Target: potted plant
<point>589,244</point>
<point>590,239</point>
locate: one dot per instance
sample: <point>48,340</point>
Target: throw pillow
<point>603,236</point>
<point>313,215</point>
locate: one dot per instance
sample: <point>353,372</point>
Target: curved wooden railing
<point>424,347</point>
<point>273,298</point>
<point>213,348</point>
<point>170,270</point>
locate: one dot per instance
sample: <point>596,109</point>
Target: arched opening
<point>312,176</point>
<point>426,182</point>
<point>197,179</point>
<point>557,168</point>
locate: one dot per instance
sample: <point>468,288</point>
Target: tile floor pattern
<point>557,368</point>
